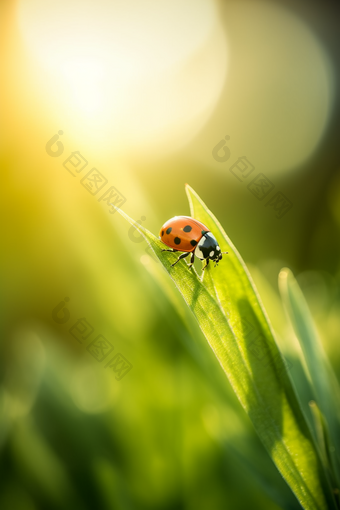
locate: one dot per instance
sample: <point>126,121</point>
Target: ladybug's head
<point>208,248</point>
<point>216,254</point>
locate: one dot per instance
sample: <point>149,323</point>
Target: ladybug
<point>183,233</point>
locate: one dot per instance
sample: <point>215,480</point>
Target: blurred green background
<point>145,91</point>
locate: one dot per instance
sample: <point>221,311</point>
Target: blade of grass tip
<point>258,372</point>
<point>272,408</point>
<point>320,372</point>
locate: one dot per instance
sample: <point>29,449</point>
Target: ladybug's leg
<point>185,254</point>
<point>172,250</point>
<point>192,258</point>
<point>206,264</point>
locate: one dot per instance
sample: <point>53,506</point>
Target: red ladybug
<point>188,235</point>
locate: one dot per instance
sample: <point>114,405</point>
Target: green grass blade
<point>321,375</point>
<point>232,319</point>
<point>324,443</point>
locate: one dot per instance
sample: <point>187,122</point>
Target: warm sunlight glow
<point>118,86</point>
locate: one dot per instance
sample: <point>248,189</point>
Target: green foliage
<point>231,316</point>
<point>320,374</point>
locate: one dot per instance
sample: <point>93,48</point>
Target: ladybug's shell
<point>182,233</point>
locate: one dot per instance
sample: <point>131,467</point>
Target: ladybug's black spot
<point>168,230</point>
<point>187,228</point>
<point>162,232</point>
<point>177,240</point>
<point>193,242</point>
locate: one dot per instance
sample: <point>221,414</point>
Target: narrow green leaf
<point>323,439</point>
<point>233,321</point>
<point>319,370</point>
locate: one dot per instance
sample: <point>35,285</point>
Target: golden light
<point>133,75</point>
